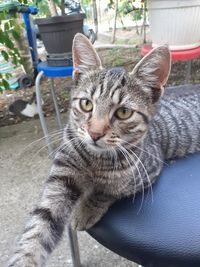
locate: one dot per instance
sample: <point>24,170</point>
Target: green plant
<point>9,34</point>
<point>10,30</point>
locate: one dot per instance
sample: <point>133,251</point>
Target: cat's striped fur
<point>102,158</point>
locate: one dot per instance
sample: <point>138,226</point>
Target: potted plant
<point>57,32</point>
<point>175,22</point>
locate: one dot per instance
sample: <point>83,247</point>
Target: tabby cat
<point>118,134</point>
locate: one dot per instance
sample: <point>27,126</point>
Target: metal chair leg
<point>40,111</point>
<point>55,104</point>
<point>73,241</point>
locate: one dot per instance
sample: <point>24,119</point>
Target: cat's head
<point>112,107</point>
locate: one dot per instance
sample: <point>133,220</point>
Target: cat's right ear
<point>153,70</point>
<point>84,56</point>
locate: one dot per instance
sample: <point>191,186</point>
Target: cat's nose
<point>96,135</point>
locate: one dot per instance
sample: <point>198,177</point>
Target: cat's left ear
<point>154,69</point>
<point>84,55</point>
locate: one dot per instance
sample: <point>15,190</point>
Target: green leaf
<point>15,51</point>
<point>5,55</point>
<point>15,35</point>
<point>2,35</point>
<point>6,84</point>
<point>12,23</point>
<point>23,1</point>
<point>15,59</point>
<point>6,26</point>
<point>8,42</point>
<point>8,76</point>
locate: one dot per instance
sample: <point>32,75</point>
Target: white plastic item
<point>176,23</point>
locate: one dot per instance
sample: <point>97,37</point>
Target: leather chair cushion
<point>164,232</point>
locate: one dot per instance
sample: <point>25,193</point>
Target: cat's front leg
<point>89,210</point>
<point>47,222</point>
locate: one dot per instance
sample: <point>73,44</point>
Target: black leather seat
<point>165,232</point>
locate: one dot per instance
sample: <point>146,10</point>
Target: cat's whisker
<point>141,179</point>
<point>76,139</point>
<point>113,156</point>
<point>56,150</point>
<point>124,154</point>
<point>52,134</point>
<point>143,150</point>
<point>146,173</point>
<point>63,146</point>
<point>140,176</point>
<point>55,139</point>
<point>115,159</point>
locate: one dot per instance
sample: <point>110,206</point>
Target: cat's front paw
<point>83,219</point>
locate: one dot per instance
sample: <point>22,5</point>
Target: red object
<point>188,54</point>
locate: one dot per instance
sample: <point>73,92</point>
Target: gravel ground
<point>24,167</point>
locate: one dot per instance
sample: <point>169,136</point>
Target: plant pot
<point>57,33</point>
<point>175,23</point>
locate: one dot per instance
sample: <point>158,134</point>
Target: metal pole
<point>55,104</point>
<point>73,241</point>
<point>40,111</point>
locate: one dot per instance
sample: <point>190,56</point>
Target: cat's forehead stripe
<point>126,101</point>
<point>117,71</point>
<point>98,91</point>
<point>115,95</point>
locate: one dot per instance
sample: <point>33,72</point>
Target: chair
<point>179,55</point>
<point>52,72</point>
<point>165,231</point>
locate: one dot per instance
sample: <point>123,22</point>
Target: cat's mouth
<point>94,143</point>
<point>102,144</point>
<point>99,146</point>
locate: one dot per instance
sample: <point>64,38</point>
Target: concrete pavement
<point>23,168</point>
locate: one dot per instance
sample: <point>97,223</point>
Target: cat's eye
<point>86,105</point>
<point>123,113</point>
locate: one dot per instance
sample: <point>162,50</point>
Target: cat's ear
<point>84,55</point>
<point>154,69</point>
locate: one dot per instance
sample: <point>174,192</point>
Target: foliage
<point>9,32</point>
<point>128,7</point>
<point>43,7</point>
<point>87,6</point>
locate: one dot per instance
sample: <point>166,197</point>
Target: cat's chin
<point>97,148</point>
